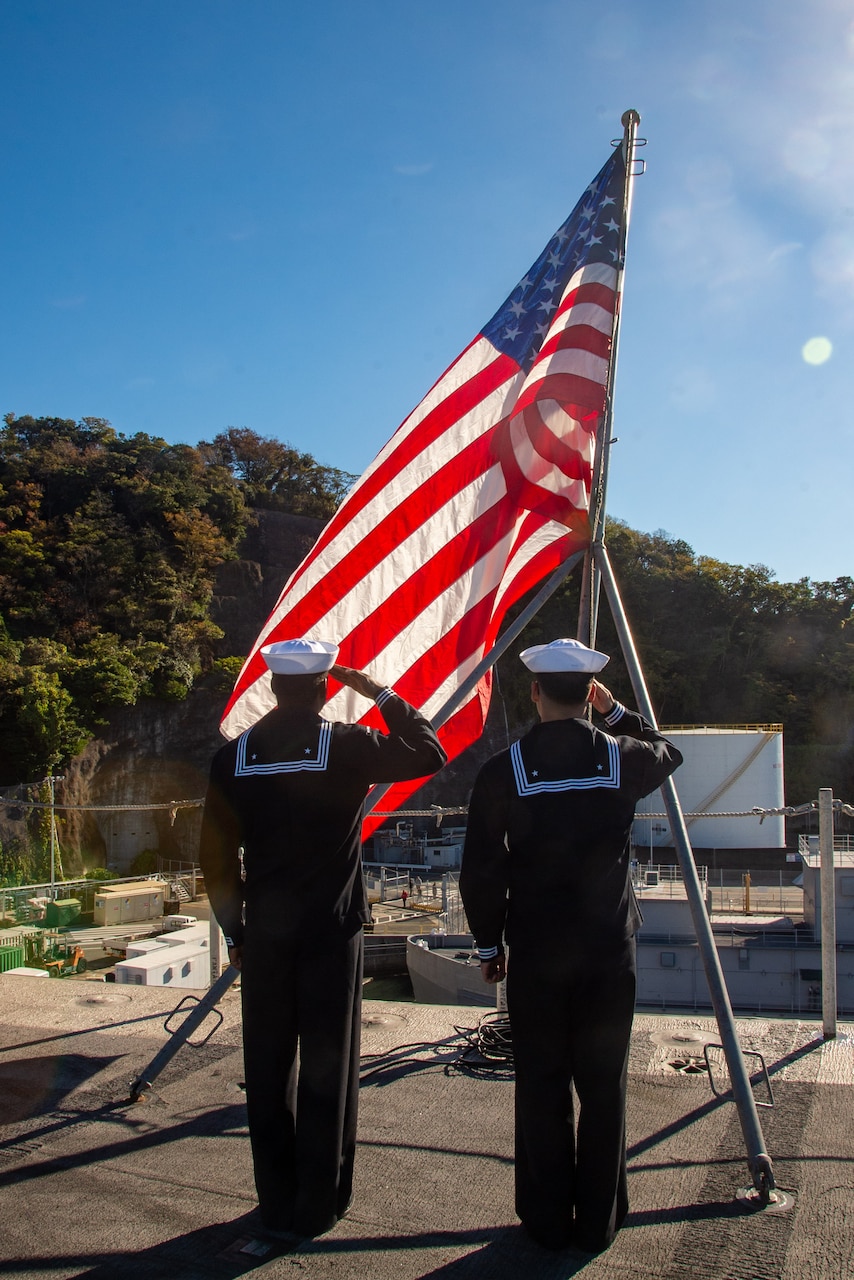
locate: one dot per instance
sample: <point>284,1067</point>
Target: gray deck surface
<point>93,1186</point>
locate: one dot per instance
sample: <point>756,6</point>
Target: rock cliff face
<point>247,589</point>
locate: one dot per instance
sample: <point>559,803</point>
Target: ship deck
<point>95,1186</point>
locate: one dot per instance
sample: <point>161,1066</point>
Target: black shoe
<point>549,1238</point>
<point>586,1244</point>
<point>277,1225</point>
<point>274,1234</point>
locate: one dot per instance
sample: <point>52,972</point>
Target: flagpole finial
<point>630,117</point>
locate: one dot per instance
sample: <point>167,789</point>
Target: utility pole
<point>828,912</point>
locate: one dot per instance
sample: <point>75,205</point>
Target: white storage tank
<point>726,769</point>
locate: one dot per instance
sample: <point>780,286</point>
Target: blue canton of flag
<point>590,234</point>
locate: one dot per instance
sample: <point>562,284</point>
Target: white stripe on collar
<point>315,762</point>
<point>526,786</point>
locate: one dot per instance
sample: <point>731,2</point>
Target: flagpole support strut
<point>758,1160</point>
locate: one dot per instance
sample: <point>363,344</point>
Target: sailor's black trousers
<point>301,1037</point>
<point>571,1011</point>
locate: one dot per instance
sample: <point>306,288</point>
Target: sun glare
<point>817,350</point>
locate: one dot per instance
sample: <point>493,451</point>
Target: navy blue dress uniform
<point>546,869</point>
<point>290,792</point>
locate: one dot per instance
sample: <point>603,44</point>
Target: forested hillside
<point>109,546</point>
<point>115,558</point>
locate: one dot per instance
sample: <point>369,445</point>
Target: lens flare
<point>817,350</point>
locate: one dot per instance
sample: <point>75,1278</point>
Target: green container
<point>62,912</point>
<point>11,958</point>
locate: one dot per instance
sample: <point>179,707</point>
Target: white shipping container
<point>187,966</point>
<point>142,947</point>
<point>197,934</point>
<point>125,903</point>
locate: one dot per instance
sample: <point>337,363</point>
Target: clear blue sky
<point>292,217</point>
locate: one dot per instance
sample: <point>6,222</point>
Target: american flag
<point>482,492</point>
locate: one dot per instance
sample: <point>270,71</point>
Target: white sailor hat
<point>563,655</point>
<point>300,657</point>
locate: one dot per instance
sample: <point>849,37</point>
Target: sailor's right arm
<point>653,758</point>
<point>219,857</point>
<point>411,749</point>
<point>485,873</point>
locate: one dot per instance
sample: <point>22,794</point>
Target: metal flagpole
<point>597,570</point>
<point>588,610</point>
<point>758,1159</point>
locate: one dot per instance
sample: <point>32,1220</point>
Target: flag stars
<point>536,307</point>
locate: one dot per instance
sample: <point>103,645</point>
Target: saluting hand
<point>360,681</point>
<point>603,699</point>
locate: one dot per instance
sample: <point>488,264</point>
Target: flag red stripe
<point>577,337</point>
<point>566,388</point>
<point>595,291</point>
<point>378,542</point>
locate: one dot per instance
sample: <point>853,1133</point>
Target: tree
<point>276,475</point>
<point>108,550</point>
